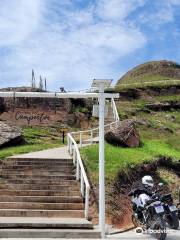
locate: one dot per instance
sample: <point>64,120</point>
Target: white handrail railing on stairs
<point>73,148</point>
<point>115,112</point>
<point>80,171</point>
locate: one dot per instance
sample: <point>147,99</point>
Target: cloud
<point>164,15</point>
<point>160,13</point>
<point>68,44</point>
<point>174,2</point>
<point>18,19</point>
<point>117,9</point>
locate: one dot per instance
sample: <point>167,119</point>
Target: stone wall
<point>44,111</point>
<point>34,111</point>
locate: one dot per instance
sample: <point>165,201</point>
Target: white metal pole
<point>101,162</point>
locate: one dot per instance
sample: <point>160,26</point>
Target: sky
<point>71,42</point>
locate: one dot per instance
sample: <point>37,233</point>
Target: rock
<point>170,117</point>
<point>164,106</point>
<point>71,120</point>
<point>10,135</point>
<point>143,122</point>
<point>125,134</point>
<point>78,120</point>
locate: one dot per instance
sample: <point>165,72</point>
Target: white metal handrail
<point>73,149</point>
<point>88,136</point>
<point>80,171</point>
<point>115,112</point>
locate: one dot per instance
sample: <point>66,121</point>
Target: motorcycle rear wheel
<point>136,222</point>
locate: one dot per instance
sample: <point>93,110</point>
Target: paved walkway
<point>53,153</point>
<point>132,235</point>
<point>175,235</point>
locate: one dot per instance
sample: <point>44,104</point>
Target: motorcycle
<point>148,212</point>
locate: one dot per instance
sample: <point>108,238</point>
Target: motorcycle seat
<point>150,201</point>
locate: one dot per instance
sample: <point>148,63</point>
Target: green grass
<point>118,159</point>
<point>160,137</point>
<point>11,151</point>
<point>146,83</point>
<point>167,98</point>
<point>144,78</point>
<point>36,139</point>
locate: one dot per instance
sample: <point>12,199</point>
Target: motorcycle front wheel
<point>160,230</point>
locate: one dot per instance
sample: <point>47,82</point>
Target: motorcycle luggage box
<point>166,197</point>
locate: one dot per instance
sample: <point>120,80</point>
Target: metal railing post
<point>71,145</point>
<point>80,139</point>
<point>87,203</point>
<point>77,170</point>
<point>68,143</point>
<point>82,185</point>
<point>74,156</point>
<point>91,136</point>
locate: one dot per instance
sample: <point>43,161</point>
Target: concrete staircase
<point>41,198</point>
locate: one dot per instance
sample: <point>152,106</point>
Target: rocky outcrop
<point>148,92</point>
<point>164,106</point>
<point>78,120</point>
<point>125,134</point>
<point>10,135</point>
<point>44,111</point>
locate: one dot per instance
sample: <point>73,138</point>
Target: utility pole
<point>33,80</point>
<point>41,83</point>
<point>45,84</point>
<point>101,84</point>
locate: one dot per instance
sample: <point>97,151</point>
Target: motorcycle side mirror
<point>160,184</point>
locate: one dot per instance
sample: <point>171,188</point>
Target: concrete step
<point>39,187</point>
<point>39,181</point>
<point>39,193</point>
<point>34,167</point>
<point>39,171</point>
<point>37,163</point>
<point>37,176</point>
<point>43,206</point>
<point>50,233</point>
<point>38,160</point>
<point>42,199</point>
<point>32,174</point>
<point>38,222</point>
<point>41,213</point>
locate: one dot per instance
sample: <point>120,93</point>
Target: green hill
<point>152,72</point>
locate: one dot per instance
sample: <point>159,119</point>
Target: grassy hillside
<point>158,154</point>
<point>159,132</point>
<point>120,159</point>
<point>155,71</point>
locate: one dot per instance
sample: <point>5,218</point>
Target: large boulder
<point>124,134</point>
<point>10,135</point>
